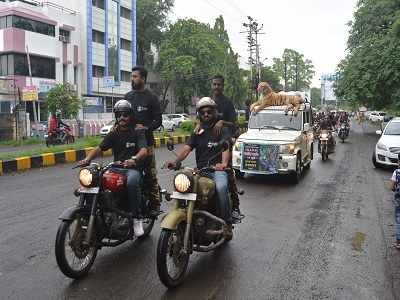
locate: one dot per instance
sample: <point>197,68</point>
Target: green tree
<point>62,98</point>
<point>272,77</point>
<point>370,73</point>
<point>295,71</point>
<point>315,95</point>
<point>151,21</point>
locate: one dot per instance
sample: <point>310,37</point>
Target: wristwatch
<point>134,158</point>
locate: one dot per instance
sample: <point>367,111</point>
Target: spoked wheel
<point>324,152</point>
<point>172,262</point>
<point>74,258</point>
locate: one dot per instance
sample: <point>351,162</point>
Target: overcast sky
<point>315,28</point>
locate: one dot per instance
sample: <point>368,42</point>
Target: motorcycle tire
<point>163,252</point>
<point>61,258</point>
<point>70,139</point>
<point>324,153</point>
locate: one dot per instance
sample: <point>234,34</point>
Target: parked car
<point>178,118</point>
<point>167,124</point>
<point>106,128</point>
<point>377,116</point>
<point>388,146</point>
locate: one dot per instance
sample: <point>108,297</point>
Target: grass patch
<point>30,141</point>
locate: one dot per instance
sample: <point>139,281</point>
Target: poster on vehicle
<point>260,158</point>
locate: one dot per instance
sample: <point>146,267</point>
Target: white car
<point>167,124</point>
<point>106,128</point>
<point>178,118</point>
<point>387,148</point>
<point>275,143</point>
<point>377,116</point>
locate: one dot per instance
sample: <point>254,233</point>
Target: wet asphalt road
<point>328,237</point>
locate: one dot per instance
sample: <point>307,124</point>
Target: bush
<point>188,126</point>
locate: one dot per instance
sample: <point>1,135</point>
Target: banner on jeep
<point>261,159</point>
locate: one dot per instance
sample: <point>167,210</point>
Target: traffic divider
<point>68,156</point>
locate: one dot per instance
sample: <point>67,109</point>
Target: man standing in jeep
<point>146,109</point>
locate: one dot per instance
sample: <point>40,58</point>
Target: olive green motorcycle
<point>193,224</point>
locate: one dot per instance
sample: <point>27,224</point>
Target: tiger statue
<point>269,98</point>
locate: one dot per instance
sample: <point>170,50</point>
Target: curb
<point>50,159</point>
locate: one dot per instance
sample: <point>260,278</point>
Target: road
<point>328,237</point>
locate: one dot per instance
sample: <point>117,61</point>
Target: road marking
<point>358,241</point>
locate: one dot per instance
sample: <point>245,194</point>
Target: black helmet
<point>123,106</point>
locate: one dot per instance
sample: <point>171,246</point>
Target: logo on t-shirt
<point>211,144</point>
<point>130,145</point>
<point>141,108</point>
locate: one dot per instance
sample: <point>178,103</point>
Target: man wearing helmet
<point>146,109</point>
<point>129,147</point>
<point>206,143</point>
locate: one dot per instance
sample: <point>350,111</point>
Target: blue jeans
<point>221,183</point>
<point>397,217</point>
<point>133,186</point>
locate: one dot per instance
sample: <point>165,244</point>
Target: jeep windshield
<point>275,120</point>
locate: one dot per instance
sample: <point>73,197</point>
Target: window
<point>98,3</point>
<point>64,36</point>
<point>125,13</point>
<point>65,73</point>
<point>125,76</point>
<point>98,36</point>
<point>125,45</point>
<point>5,106</point>
<point>75,75</point>
<point>30,25</point>
<point>97,71</point>
<point>17,64</point>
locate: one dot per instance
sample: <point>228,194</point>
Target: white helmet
<point>122,106</point>
<point>205,102</point>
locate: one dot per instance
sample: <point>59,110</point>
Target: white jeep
<point>275,143</point>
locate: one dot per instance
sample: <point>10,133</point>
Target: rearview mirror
<point>378,132</point>
<point>170,145</point>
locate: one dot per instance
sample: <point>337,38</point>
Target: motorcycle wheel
<point>70,139</point>
<point>324,152</point>
<point>74,263</point>
<point>171,262</point>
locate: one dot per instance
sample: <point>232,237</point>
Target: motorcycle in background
<point>61,136</point>
<point>343,132</point>
<point>324,146</point>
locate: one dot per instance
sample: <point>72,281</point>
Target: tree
<point>151,21</point>
<point>370,73</point>
<point>315,95</point>
<point>62,98</point>
<point>295,71</point>
<point>272,77</point>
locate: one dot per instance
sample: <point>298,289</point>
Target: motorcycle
<point>59,137</point>
<point>100,219</point>
<point>324,147</point>
<point>343,131</point>
<point>192,225</point>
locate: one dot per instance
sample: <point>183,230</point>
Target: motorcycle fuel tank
<point>113,181</point>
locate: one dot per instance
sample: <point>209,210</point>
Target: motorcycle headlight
<point>85,177</point>
<point>287,149</point>
<point>237,146</point>
<point>324,135</point>
<point>381,146</point>
<point>182,183</point>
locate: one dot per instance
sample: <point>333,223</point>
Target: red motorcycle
<point>100,219</point>
<point>60,136</point>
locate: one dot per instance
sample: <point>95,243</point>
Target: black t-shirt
<point>124,144</point>
<point>226,110</point>
<point>146,108</point>
<point>206,146</point>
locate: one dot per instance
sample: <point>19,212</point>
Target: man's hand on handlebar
<point>83,163</point>
<point>220,167</point>
<point>129,163</point>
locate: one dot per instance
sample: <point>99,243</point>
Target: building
<point>328,96</point>
<point>90,44</point>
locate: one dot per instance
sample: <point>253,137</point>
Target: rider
<point>147,111</point>
<point>129,147</point>
<point>326,124</point>
<point>395,187</point>
<point>206,144</point>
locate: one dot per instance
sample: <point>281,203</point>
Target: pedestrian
<point>395,187</point>
<point>147,112</point>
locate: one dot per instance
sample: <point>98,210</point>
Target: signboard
<point>260,158</point>
<point>93,101</point>
<point>30,93</point>
<point>45,86</point>
<point>108,82</point>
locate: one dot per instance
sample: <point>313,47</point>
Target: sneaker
<point>236,214</point>
<point>138,227</point>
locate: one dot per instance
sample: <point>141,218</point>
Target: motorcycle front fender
<point>70,213</point>
<point>173,219</point>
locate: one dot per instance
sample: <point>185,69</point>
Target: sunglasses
<point>206,112</point>
<point>123,115</point>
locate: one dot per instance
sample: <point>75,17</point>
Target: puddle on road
<point>358,241</point>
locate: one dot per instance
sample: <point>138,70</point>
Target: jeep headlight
<point>237,146</point>
<point>287,148</point>
<point>381,146</point>
<point>85,177</point>
<point>182,183</point>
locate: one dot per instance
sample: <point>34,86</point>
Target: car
<point>106,128</point>
<point>167,124</point>
<point>377,116</point>
<point>275,143</point>
<point>178,118</point>
<point>387,148</point>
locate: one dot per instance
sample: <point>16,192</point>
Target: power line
<point>222,11</point>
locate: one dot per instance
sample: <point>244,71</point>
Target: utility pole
<point>31,81</point>
<point>253,29</point>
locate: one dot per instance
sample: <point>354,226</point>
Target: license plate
<point>93,190</point>
<point>181,196</point>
